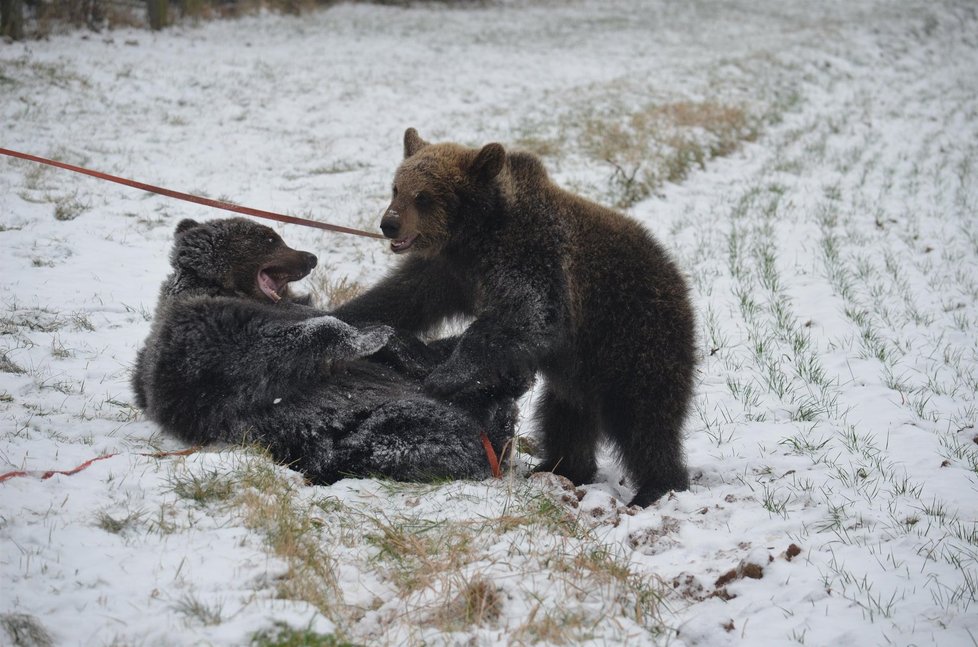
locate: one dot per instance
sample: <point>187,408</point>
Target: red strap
<point>49,473</point>
<point>491,455</point>
<point>217,204</point>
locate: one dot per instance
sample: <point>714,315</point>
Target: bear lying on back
<point>556,284</point>
<point>233,357</point>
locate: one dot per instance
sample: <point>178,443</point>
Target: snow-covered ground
<point>834,261</point>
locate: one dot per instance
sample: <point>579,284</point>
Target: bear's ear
<point>186,224</point>
<point>489,162</point>
<point>412,142</point>
<point>195,249</point>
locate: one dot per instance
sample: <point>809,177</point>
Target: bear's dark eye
<point>394,191</point>
<point>422,200</point>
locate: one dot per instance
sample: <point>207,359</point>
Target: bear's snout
<point>309,260</point>
<point>390,224</point>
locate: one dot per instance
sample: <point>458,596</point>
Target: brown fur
<point>557,284</point>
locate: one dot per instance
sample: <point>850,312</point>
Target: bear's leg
<point>415,439</point>
<point>649,444</point>
<point>570,436</point>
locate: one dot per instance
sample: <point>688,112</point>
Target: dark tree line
<point>12,19</point>
<point>90,13</point>
<point>95,14</point>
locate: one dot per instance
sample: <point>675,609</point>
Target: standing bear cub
<point>233,357</point>
<point>556,284</point>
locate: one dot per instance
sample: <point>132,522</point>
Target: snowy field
<point>812,165</point>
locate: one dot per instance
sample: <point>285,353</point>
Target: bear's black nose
<point>310,260</point>
<point>390,225</point>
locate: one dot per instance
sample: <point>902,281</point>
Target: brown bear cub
<point>233,356</point>
<point>557,284</point>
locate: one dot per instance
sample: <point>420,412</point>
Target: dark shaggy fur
<point>557,284</point>
<point>232,357</point>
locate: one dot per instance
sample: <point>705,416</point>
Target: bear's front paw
<point>324,326</point>
<point>341,341</point>
<point>370,340</point>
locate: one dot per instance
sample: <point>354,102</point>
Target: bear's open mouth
<point>402,244</point>
<point>272,280</point>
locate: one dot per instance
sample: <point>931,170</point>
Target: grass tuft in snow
<point>69,207</point>
<point>663,143</point>
<point>282,635</point>
<point>24,630</point>
<point>330,289</point>
<point>197,611</point>
<point>117,525</point>
<point>269,500</point>
<point>203,489</point>
<point>450,575</point>
<point>413,552</point>
<point>478,602</point>
<point>271,503</point>
<point>7,365</point>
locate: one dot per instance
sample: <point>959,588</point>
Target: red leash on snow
<point>207,202</point>
<point>217,204</point>
<point>49,473</point>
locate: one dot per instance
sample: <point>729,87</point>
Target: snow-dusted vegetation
<point>812,167</point>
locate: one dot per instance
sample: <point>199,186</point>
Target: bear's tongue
<point>270,286</point>
<point>398,246</point>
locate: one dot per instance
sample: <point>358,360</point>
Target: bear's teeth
<point>403,243</point>
<point>269,286</point>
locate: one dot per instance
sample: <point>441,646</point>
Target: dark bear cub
<point>232,356</point>
<point>557,284</point>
